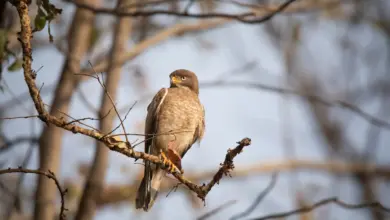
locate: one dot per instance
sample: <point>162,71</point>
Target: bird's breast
<point>180,109</point>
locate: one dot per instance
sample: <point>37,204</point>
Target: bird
<point>175,120</point>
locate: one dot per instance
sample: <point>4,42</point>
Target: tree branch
<point>314,98</point>
<point>49,175</point>
<point>216,210</point>
<point>248,17</point>
<point>334,200</point>
<point>165,34</point>
<point>226,167</point>
<point>258,199</point>
<point>10,143</point>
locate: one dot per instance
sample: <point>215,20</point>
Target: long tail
<point>148,189</point>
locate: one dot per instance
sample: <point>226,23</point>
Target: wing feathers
<point>152,116</point>
<point>150,129</point>
<point>199,132</point>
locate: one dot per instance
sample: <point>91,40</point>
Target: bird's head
<point>184,78</point>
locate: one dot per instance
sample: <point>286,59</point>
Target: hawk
<point>176,119</point>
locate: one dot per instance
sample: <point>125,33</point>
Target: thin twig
<point>50,175</point>
<point>127,113</point>
<point>17,203</point>
<point>74,119</point>
<point>173,189</point>
<point>188,6</point>
<point>216,210</point>
<point>19,117</point>
<point>90,118</point>
<point>258,199</point>
<point>102,84</point>
<point>85,101</point>
<point>151,136</point>
<point>14,97</point>
<point>18,140</point>
<point>334,200</point>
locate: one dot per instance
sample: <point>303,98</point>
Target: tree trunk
<point>51,138</point>
<point>95,180</point>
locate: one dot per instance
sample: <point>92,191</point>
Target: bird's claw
<point>168,163</point>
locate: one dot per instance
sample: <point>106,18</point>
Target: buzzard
<point>174,122</point>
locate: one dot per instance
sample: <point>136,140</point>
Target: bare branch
<point>258,200</point>
<point>19,117</point>
<point>74,120</point>
<point>10,143</point>
<point>16,203</point>
<point>165,34</point>
<point>335,103</point>
<point>15,200</point>
<point>49,175</point>
<point>103,85</point>
<point>124,119</point>
<point>248,17</point>
<point>188,6</point>
<point>216,210</point>
<point>85,100</point>
<point>376,205</point>
<point>226,167</point>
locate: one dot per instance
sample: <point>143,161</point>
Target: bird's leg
<point>167,162</point>
<point>171,158</point>
<point>175,159</point>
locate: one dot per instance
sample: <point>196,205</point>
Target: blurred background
<point>310,87</point>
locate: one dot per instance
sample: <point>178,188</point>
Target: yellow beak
<point>175,80</point>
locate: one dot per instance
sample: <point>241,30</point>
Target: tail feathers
<point>148,190</point>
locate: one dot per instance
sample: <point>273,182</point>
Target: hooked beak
<point>175,80</point>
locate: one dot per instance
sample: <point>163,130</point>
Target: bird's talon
<point>164,158</point>
<point>169,164</point>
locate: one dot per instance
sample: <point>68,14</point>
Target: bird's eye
<point>183,78</point>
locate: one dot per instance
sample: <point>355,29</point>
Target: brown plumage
<point>176,117</point>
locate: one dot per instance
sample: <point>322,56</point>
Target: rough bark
<point>95,180</point>
<point>51,138</point>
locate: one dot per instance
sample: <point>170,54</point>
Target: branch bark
<point>95,180</point>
